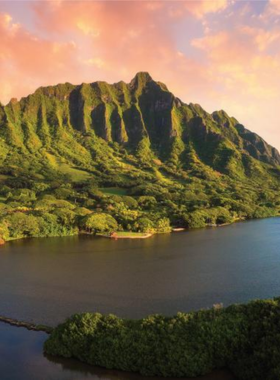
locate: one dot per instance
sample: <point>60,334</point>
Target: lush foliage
<point>96,223</point>
<point>131,157</point>
<point>244,338</point>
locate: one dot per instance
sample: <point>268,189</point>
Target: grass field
<point>76,174</point>
<point>127,235</point>
<point>124,233</point>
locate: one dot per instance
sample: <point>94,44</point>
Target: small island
<point>243,338</point>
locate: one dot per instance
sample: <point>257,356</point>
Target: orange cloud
<point>247,76</point>
<point>201,8</point>
<point>274,6</point>
<point>117,39</point>
<point>262,38</point>
<point>27,61</point>
<point>239,60</point>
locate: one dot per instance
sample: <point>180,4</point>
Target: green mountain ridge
<point>141,114</point>
<point>141,140</point>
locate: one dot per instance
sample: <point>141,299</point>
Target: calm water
<point>47,280</point>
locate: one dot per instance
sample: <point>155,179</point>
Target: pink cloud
<point>247,74</point>
<point>274,6</point>
<point>201,8</point>
<point>240,59</point>
<point>27,61</point>
<point>111,41</point>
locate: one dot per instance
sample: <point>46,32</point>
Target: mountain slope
<point>138,138</point>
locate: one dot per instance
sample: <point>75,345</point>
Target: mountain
<point>142,116</point>
<point>139,139</point>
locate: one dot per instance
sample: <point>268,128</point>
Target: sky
<point>222,54</point>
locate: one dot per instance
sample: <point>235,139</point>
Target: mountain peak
<point>141,79</point>
<point>143,75</point>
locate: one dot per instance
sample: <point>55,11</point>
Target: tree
<point>223,216</point>
<point>66,216</point>
<point>144,225</point>
<point>163,225</point>
<point>196,219</point>
<point>98,223</point>
<point>147,201</point>
<point>4,231</point>
<point>21,225</point>
<point>130,202</point>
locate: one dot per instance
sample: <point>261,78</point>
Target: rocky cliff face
<point>143,117</point>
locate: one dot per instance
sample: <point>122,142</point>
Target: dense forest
<point>99,158</point>
<point>243,338</point>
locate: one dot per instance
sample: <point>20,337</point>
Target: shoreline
<point>148,235</point>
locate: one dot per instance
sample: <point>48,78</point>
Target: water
<point>47,280</point>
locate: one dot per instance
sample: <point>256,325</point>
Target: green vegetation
<point>132,155</point>
<point>97,223</point>
<point>113,191</point>
<point>243,338</point>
